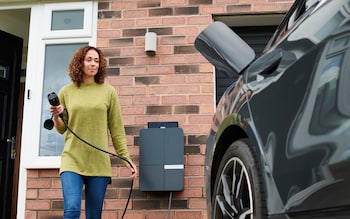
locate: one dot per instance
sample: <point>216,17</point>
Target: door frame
<point>18,151</point>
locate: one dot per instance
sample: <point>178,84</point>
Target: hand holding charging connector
<point>56,110</point>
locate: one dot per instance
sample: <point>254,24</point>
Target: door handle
<point>12,141</point>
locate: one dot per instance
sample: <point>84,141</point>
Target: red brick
<point>38,183</point>
<point>203,99</point>
<point>165,50</point>
<point>207,68</point>
<point>203,19</point>
<point>102,43</point>
<point>32,173</point>
<point>120,81</point>
<point>200,78</point>
<point>265,7</point>
<point>173,59</point>
<point>172,40</point>
<point>207,89</point>
<point>195,58</point>
<point>125,100</point>
<point>133,110</point>
<point>159,214</point>
<point>209,9</point>
<point>174,89</point>
<point>177,99</point>
<point>194,170</point>
<point>227,2</point>
<point>147,60</point>
<point>171,21</point>
<point>133,215</point>
<point>239,8</point>
<point>188,214</point>
<point>103,24</point>
<point>116,204</point>
<point>108,33</point>
<point>144,119</point>
<point>30,215</point>
<point>177,3</point>
<point>200,118</point>
<point>196,181</point>
<point>178,118</point>
<point>133,51</point>
<point>38,205</point>
<point>186,30</point>
<point>109,215</point>
<point>131,90</point>
<point>50,194</point>
<point>196,160</point>
<point>194,128</point>
<point>134,13</point>
<point>146,100</point>
<point>190,192</point>
<point>252,1</point>
<point>118,5</point>
<point>122,23</point>
<point>163,69</point>
<point>133,70</point>
<point>147,22</point>
<point>197,203</point>
<point>32,193</point>
<point>49,173</point>
<point>50,214</point>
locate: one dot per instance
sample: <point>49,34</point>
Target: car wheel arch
<point>228,136</point>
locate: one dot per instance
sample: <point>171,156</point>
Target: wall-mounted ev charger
<point>161,157</point>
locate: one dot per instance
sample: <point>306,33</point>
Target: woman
<point>91,109</point>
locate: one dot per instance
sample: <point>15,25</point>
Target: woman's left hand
<point>133,170</point>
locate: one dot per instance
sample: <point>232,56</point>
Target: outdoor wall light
<point>151,43</point>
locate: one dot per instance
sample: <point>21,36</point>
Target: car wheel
<point>238,190</point>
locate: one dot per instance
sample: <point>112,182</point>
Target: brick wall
<point>175,85</point>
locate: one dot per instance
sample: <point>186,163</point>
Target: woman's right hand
<point>56,111</point>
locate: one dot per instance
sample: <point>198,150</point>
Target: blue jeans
<point>95,189</point>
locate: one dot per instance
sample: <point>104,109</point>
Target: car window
<point>331,113</point>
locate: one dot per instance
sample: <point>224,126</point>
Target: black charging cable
<point>107,152</point>
<point>48,124</point>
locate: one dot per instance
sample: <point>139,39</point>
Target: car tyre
<point>238,191</point>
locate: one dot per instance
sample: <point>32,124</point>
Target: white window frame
<point>39,37</point>
<point>88,19</point>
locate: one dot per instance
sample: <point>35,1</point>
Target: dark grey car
<point>279,146</point>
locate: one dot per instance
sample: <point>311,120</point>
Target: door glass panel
<point>67,20</point>
<point>57,58</point>
<point>3,72</point>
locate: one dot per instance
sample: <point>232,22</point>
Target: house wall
<point>175,85</point>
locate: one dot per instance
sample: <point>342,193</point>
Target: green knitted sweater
<point>93,112</point>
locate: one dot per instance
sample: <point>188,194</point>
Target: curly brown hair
<point>75,68</point>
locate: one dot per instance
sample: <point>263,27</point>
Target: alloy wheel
<point>233,197</point>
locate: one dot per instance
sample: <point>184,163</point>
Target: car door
<point>301,114</point>
<point>323,130</point>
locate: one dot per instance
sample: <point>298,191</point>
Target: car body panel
<point>293,104</point>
